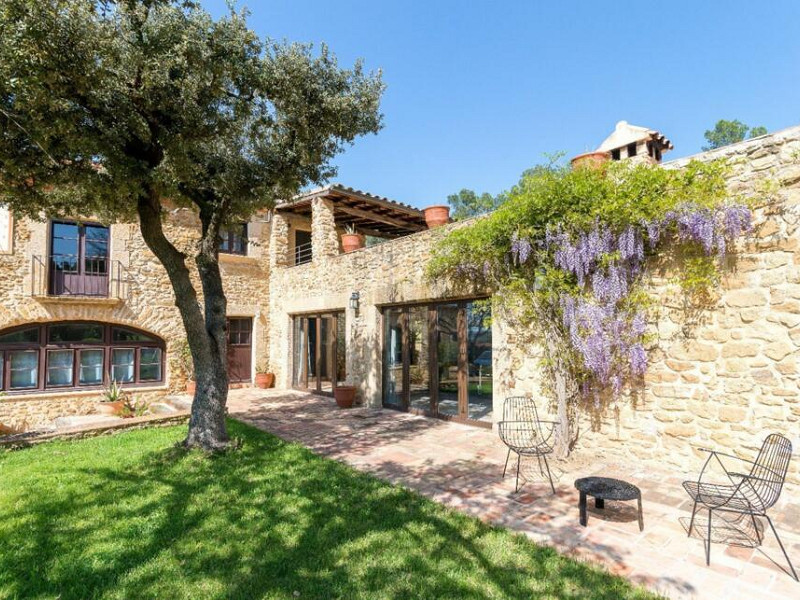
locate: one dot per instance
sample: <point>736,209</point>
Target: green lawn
<point>131,516</point>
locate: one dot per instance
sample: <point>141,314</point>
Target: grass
<point>132,516</point>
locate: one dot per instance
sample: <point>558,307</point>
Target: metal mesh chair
<point>522,431</point>
<point>751,493</point>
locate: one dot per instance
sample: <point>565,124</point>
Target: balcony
<point>303,254</point>
<point>76,278</point>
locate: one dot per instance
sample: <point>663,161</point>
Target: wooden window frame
<point>333,345</point>
<point>44,346</point>
<point>231,234</point>
<point>433,372</point>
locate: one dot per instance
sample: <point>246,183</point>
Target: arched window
<point>74,355</point>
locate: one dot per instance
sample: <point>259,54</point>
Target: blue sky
<point>479,91</point>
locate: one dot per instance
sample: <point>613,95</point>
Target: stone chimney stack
<point>636,143</point>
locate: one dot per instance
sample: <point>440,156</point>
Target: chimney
<point>635,143</point>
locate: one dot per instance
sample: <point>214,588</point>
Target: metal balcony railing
<point>82,276</point>
<point>303,254</point>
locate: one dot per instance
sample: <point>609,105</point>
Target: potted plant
<point>113,399</point>
<point>264,379</point>
<point>185,358</point>
<point>351,240</point>
<point>437,215</point>
<point>593,159</point>
<point>133,407</point>
<point>345,395</point>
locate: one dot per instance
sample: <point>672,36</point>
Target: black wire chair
<point>751,493</point>
<point>521,430</point>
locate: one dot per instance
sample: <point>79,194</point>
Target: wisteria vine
<point>605,329</point>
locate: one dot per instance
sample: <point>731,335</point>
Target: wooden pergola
<point>370,215</point>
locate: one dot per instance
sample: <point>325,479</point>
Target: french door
<point>319,352</point>
<point>78,259</point>
<point>437,360</point>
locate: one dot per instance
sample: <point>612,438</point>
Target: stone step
<point>162,408</point>
<point>84,421</point>
<point>180,402</point>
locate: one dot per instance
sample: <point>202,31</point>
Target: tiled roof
<point>338,187</point>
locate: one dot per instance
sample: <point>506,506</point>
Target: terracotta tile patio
<point>461,466</point>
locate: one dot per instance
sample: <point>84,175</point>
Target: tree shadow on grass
<point>271,521</point>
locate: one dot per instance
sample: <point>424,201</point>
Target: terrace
<point>461,467</point>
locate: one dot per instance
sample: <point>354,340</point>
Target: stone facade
<point>721,378</point>
<point>145,301</point>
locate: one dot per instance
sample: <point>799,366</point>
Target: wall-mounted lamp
<point>354,300</point>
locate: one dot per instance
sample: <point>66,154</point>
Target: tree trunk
<point>563,435</point>
<point>205,329</point>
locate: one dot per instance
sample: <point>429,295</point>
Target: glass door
<point>448,349</point>
<point>437,360</point>
<point>318,355</point>
<point>479,360</point>
<point>393,377</point>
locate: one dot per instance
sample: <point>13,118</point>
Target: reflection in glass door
<point>479,357</point>
<point>393,379</point>
<point>419,358</point>
<point>319,352</point>
<point>437,359</point>
<point>447,353</point>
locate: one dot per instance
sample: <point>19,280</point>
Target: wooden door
<point>240,349</point>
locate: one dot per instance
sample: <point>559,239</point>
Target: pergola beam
<point>380,218</point>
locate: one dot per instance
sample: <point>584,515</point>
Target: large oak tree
<point>117,109</point>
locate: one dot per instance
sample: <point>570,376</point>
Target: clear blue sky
<point>479,91</point>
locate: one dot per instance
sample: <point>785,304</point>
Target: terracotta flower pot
<point>436,216</point>
<point>589,159</point>
<point>191,387</point>
<point>265,380</point>
<point>345,395</point>
<point>352,241</point>
<point>109,408</point>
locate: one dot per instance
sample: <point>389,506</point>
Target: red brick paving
<point>462,466</point>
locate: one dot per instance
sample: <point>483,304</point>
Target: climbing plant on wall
<point>568,256</point>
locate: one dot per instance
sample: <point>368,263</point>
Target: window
<point>615,154</point>
<point>150,364</point>
<point>23,369</point>
<point>91,367</point>
<point>87,333</point>
<point>75,355</point>
<point>233,240</point>
<point>632,149</point>
<point>78,259</point>
<point>123,364</point>
<point>60,367</point>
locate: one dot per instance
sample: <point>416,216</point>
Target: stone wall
<point>147,303</point>
<point>724,377</point>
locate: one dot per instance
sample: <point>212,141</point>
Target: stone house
<point>316,316</point>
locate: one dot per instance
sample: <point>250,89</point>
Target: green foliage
<point>159,93</point>
<point>593,324</point>
<point>129,516</point>
<point>617,195</point>
<point>466,203</point>
<point>133,406</point>
<point>113,392</point>
<point>730,132</point>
